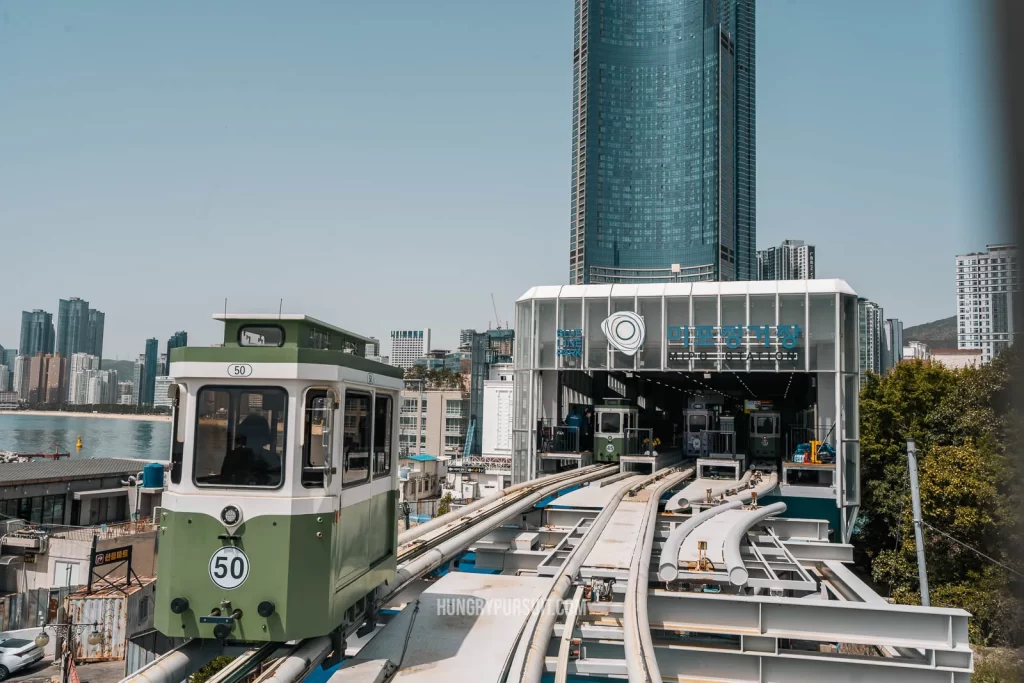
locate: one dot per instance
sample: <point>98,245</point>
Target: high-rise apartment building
<point>46,382</point>
<point>79,328</point>
<point>407,346</point>
<point>22,373</point>
<point>151,360</point>
<point>5,378</point>
<point>160,398</point>
<point>83,367</point>
<point>892,344</point>
<point>73,327</point>
<point>37,335</point>
<point>97,320</point>
<point>792,260</point>
<point>870,317</point>
<point>126,393</point>
<point>7,359</point>
<point>139,379</point>
<point>177,340</point>
<point>663,141</point>
<point>986,285</point>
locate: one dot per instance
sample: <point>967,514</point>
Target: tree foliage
<point>442,378</point>
<point>962,422</point>
<point>210,669</point>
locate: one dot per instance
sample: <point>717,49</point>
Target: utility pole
<point>915,495</point>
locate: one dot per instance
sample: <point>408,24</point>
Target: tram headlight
<point>231,515</point>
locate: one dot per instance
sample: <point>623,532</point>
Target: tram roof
<point>299,317</point>
<point>684,289</point>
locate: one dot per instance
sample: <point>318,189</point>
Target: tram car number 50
<point>229,567</point>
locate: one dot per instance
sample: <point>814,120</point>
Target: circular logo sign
<point>229,567</point>
<point>625,331</point>
<point>610,448</point>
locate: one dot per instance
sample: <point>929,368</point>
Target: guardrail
<point>552,438</point>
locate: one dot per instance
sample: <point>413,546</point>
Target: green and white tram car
<point>614,419</point>
<point>279,520</point>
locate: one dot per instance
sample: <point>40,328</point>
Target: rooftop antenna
<point>225,307</point>
<point>280,307</point>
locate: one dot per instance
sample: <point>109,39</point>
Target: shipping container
<point>117,614</point>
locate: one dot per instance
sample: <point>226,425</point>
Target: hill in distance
<point>938,334</point>
<point>125,368</point>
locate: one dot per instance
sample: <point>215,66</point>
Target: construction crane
<point>497,320</point>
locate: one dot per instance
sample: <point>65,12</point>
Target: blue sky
<point>390,164</point>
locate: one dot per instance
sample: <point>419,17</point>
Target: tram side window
<point>316,447</point>
<point>610,423</point>
<point>177,432</point>
<point>357,432</point>
<point>381,436</point>
<point>240,436</point>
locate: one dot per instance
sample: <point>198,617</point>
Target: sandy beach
<point>108,416</point>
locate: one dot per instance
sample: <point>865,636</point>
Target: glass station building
<point>752,371</point>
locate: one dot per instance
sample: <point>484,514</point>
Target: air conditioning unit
<point>29,540</point>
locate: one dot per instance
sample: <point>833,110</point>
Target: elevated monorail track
<point>420,552</point>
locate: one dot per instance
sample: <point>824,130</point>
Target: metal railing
<point>717,444</point>
<point>639,441</point>
<point>553,438</point>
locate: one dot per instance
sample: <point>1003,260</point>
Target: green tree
<point>962,421</point>
<point>210,670</point>
<point>445,505</point>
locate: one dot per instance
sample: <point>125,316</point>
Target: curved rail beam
<point>420,529</point>
<point>766,486</point>
<point>685,498</point>
<point>668,562</point>
<point>731,550</point>
<point>435,556</point>
<point>641,663</point>
<point>533,666</point>
<point>178,664</point>
<point>299,662</point>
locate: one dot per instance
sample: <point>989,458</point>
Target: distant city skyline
<point>188,168</point>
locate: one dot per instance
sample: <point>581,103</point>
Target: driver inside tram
<point>249,461</point>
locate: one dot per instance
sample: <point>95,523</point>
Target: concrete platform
<point>464,629</point>
<point>614,548</point>
<point>593,496</point>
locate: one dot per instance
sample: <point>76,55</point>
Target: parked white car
<point>16,654</point>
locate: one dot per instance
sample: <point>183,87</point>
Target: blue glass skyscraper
<point>149,377</point>
<point>663,164</point>
<point>36,333</point>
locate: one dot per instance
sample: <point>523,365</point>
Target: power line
<point>961,543</point>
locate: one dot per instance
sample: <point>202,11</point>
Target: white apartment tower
<point>83,367</point>
<point>986,284</point>
<point>408,346</point>
<point>792,260</point>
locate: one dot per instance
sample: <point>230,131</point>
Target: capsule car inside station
<point>740,377</point>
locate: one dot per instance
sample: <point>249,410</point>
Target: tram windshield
<point>611,423</point>
<point>240,436</point>
<point>764,425</point>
